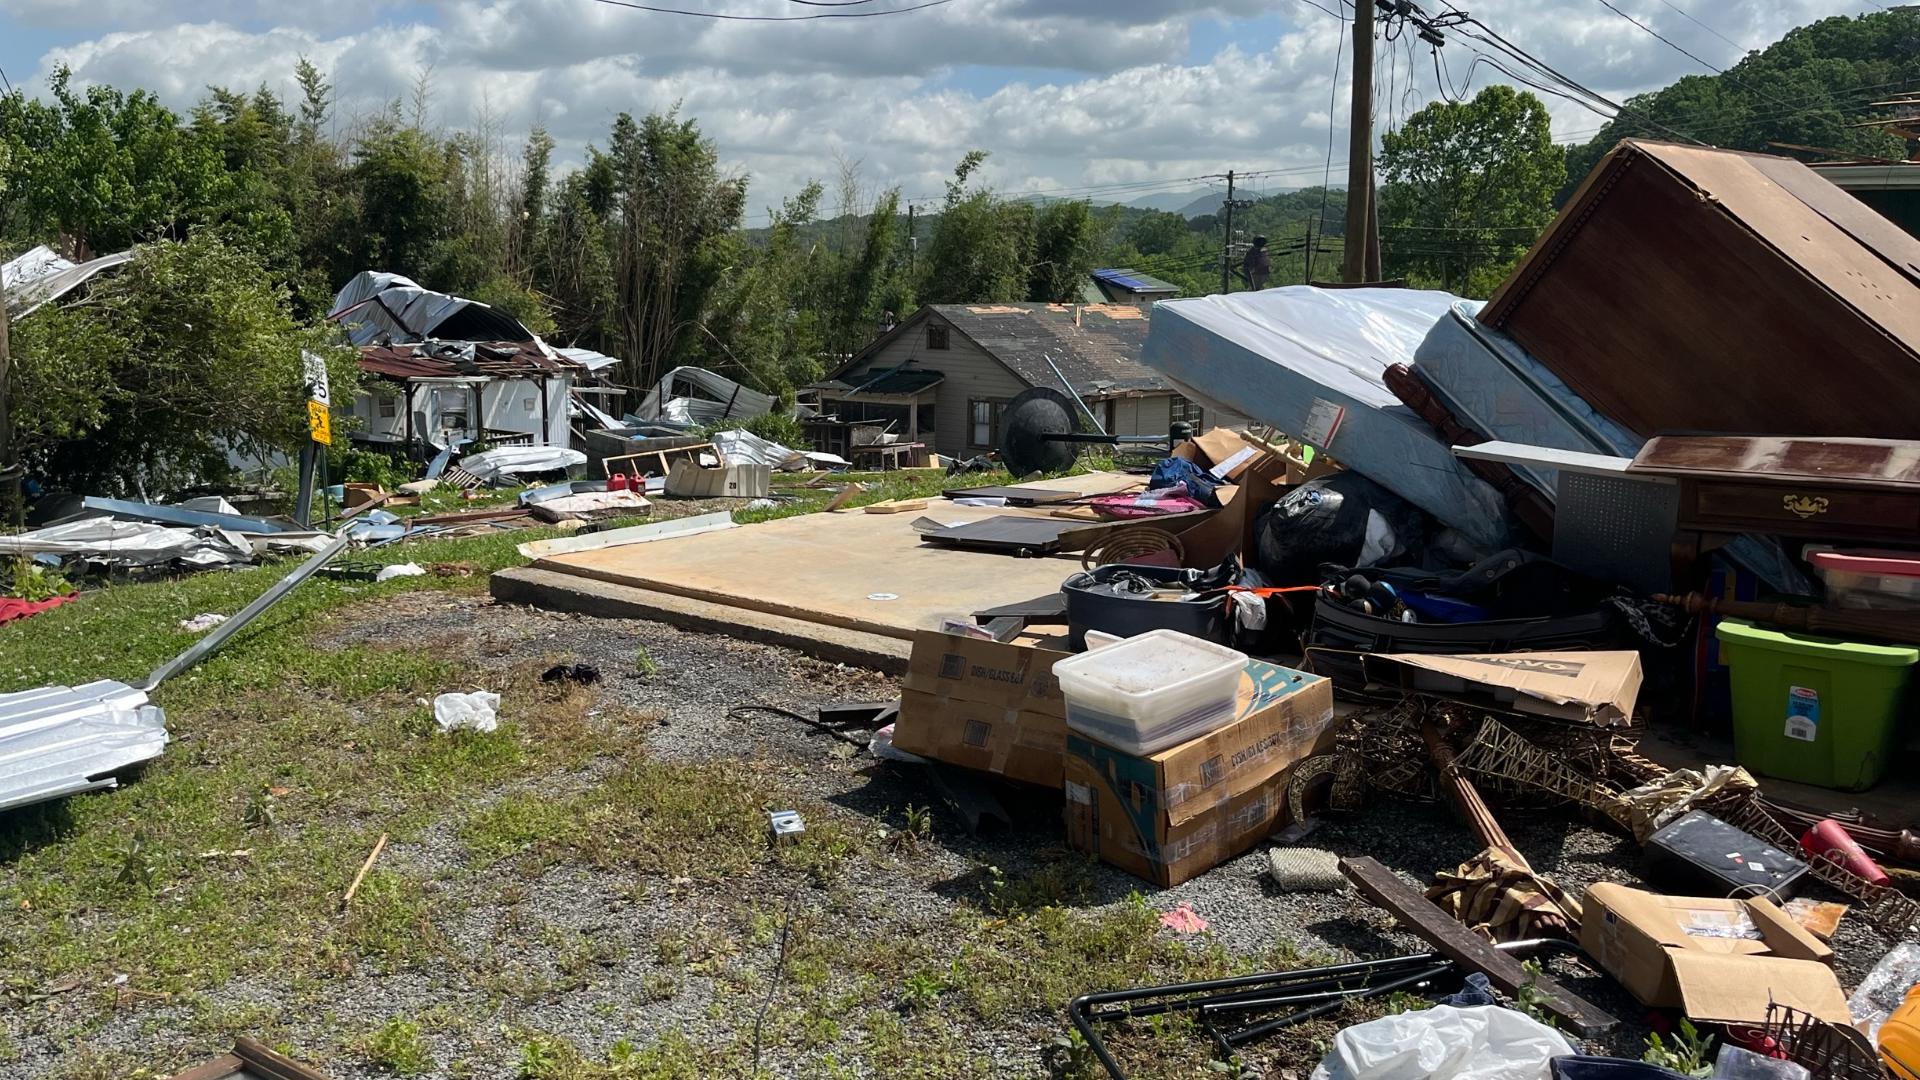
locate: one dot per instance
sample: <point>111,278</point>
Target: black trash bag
<point>1344,519</point>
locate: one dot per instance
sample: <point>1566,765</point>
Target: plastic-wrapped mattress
<point>1292,356</point>
<point>1487,380</point>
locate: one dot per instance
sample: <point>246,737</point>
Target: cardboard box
<point>1597,687</point>
<point>1169,816</point>
<point>985,705</point>
<point>1718,961</point>
<point>1258,482</point>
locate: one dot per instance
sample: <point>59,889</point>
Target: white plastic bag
<point>478,711</point>
<point>405,569</point>
<point>1486,1042</point>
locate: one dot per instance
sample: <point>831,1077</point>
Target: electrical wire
<point>774,18</point>
<point>1333,98</point>
<point>1657,36</point>
<point>1703,26</point>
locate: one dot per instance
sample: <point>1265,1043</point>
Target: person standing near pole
<point>1256,266</point>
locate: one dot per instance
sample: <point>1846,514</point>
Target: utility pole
<point>1363,242</point>
<point>1308,278</point>
<point>913,246</point>
<point>1226,242</point>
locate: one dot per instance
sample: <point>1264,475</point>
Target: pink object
<point>1829,842</point>
<point>1869,561</point>
<point>1183,920</point>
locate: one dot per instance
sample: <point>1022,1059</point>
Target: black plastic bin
<point>1340,635</point>
<point>1088,609</point>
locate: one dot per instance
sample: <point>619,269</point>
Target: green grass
<point>227,858</point>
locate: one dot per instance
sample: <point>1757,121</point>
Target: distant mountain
<point>1174,201</point>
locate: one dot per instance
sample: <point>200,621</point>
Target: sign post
<point>319,430</point>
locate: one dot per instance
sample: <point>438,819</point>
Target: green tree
<point>1468,185</point>
<point>1063,250</point>
<point>1814,87</point>
<point>675,213</point>
<point>188,353</point>
<point>980,246</point>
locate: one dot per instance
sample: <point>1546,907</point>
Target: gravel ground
<point>512,935</point>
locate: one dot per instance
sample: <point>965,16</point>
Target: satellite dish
<point>1024,424</point>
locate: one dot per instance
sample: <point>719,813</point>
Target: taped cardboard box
<point>1171,815</point>
<point>1718,961</point>
<point>1598,687</point>
<point>987,705</point>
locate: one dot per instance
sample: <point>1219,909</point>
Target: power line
<point>775,18</point>
<point>1333,97</point>
<point>1704,26</point>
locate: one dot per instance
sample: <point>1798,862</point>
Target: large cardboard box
<point>1171,815</point>
<point>984,705</point>
<point>1718,961</point>
<point>1597,687</point>
<point>1258,477</point>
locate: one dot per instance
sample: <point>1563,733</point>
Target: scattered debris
<point>785,826</point>
<point>581,674</point>
<point>1183,920</point>
<point>1304,870</point>
<point>476,711</point>
<point>202,622</point>
<point>379,845</point>
<point>399,570</point>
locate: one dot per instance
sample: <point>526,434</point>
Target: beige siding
<point>970,375</point>
<point>1141,415</point>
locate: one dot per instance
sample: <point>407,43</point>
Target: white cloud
<point>906,95</point>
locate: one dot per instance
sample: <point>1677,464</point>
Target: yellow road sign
<point>320,423</point>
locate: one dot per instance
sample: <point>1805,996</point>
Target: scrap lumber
<point>378,846</point>
<point>1473,953</point>
<point>895,506</point>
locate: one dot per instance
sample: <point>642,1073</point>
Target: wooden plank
<point>1015,496</point>
<point>1471,951</point>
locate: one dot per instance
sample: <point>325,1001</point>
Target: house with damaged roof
<point>447,370</point>
<point>942,376</point>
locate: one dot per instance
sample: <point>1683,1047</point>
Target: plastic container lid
<point>1869,561</point>
<point>1853,652</point>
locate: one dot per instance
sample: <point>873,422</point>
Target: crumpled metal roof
<point>377,306</point>
<point>38,290</point>
<point>59,740</point>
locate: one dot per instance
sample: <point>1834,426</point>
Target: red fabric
<point>11,609</point>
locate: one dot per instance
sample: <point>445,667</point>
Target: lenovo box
<point>1597,687</point>
<point>986,705</point>
<point>1718,961</point>
<point>1171,815</point>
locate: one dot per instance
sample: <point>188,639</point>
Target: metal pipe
<point>1074,394</point>
<point>1261,1031</point>
<point>205,646</point>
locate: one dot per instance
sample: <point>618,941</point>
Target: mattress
<point>1294,357</point>
<point>1487,380</point>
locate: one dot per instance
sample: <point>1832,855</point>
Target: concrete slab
<point>858,571</point>
<point>554,591</point>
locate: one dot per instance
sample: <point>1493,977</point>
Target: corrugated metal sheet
<point>60,740</point>
<point>377,306</point>
<point>42,290</point>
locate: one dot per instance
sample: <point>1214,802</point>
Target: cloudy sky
<point>1111,98</point>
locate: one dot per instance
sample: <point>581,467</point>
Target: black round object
<point>1033,414</point>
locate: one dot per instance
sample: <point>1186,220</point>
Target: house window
<point>388,405</point>
<point>936,337</point>
<point>983,423</point>
<point>1182,411</point>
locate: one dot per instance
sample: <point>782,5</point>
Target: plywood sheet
<point>828,568</point>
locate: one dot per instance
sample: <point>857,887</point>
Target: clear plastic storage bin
<point>1881,580</point>
<point>1151,691</point>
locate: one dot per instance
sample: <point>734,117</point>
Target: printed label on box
<point>1696,922</point>
<point>1803,713</point>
